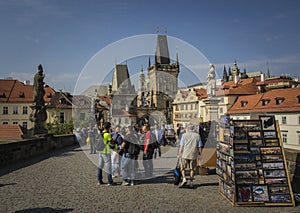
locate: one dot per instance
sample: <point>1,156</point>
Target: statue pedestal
<point>38,116</point>
<point>212,108</point>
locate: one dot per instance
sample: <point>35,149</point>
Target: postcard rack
<point>251,164</point>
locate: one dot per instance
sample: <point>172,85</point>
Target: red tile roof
<point>201,93</point>
<point>105,98</point>
<point>14,91</point>
<point>290,98</point>
<point>243,87</point>
<point>11,132</point>
<point>61,100</point>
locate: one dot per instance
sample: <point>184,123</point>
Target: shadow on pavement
<point>8,184</point>
<point>44,210</point>
<point>33,160</point>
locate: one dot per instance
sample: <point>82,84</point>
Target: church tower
<point>163,76</point>
<point>235,72</point>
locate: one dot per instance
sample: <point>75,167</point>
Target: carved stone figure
<point>39,114</point>
<point>38,86</point>
<point>211,81</point>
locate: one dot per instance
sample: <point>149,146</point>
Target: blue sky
<point>63,35</point>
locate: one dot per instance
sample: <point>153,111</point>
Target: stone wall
<point>293,163</point>
<point>19,150</point>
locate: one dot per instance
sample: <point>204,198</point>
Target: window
<point>5,110</point>
<point>284,137</point>
<point>299,139</point>
<point>15,110</point>
<point>25,110</point>
<point>283,119</point>
<point>221,110</point>
<point>265,102</point>
<point>5,122</point>
<point>244,103</point>
<point>61,117</point>
<point>24,124</point>
<point>279,100</point>
<point>15,122</point>
<point>299,120</point>
<point>167,104</point>
<point>82,116</point>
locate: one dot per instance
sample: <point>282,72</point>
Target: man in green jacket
<point>105,156</point>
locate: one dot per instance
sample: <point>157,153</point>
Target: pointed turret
<point>268,71</point>
<point>162,50</point>
<point>225,76</point>
<point>149,62</point>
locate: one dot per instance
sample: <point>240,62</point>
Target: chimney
<point>27,82</point>
<point>262,77</point>
<point>236,78</point>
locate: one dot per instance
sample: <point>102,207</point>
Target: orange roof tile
<point>14,91</point>
<point>11,131</point>
<point>243,87</point>
<point>289,96</point>
<point>201,93</point>
<point>105,98</point>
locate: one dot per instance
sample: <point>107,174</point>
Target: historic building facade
<point>283,103</point>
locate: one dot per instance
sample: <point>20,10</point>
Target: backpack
<point>177,174</point>
<point>153,141</point>
<point>132,144</point>
<point>99,142</point>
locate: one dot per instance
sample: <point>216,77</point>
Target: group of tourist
<point>122,149</point>
<point>121,152</point>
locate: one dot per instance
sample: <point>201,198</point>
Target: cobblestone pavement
<point>65,181</point>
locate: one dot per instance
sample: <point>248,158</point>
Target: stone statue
<point>38,114</point>
<point>211,81</point>
<point>38,86</point>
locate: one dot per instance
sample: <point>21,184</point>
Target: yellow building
<point>15,101</point>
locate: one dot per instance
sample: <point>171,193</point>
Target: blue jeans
<point>148,164</point>
<point>105,162</point>
<point>128,166</point>
<point>157,150</point>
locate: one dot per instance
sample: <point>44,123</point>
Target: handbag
<point>177,174</point>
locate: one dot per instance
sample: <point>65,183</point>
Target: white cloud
<point>22,76</point>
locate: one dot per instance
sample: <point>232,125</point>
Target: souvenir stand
<point>251,163</point>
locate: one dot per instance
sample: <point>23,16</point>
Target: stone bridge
<point>65,181</point>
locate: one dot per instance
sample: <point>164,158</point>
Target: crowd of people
<point>123,146</point>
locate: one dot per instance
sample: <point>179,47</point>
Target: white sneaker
<point>183,183</point>
<point>125,183</point>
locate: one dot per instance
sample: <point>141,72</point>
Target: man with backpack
<point>131,149</point>
<point>105,155</point>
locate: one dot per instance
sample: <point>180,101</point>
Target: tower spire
<point>225,76</point>
<point>162,50</point>
<point>268,71</point>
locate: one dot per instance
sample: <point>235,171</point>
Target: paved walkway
<point>65,181</point>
